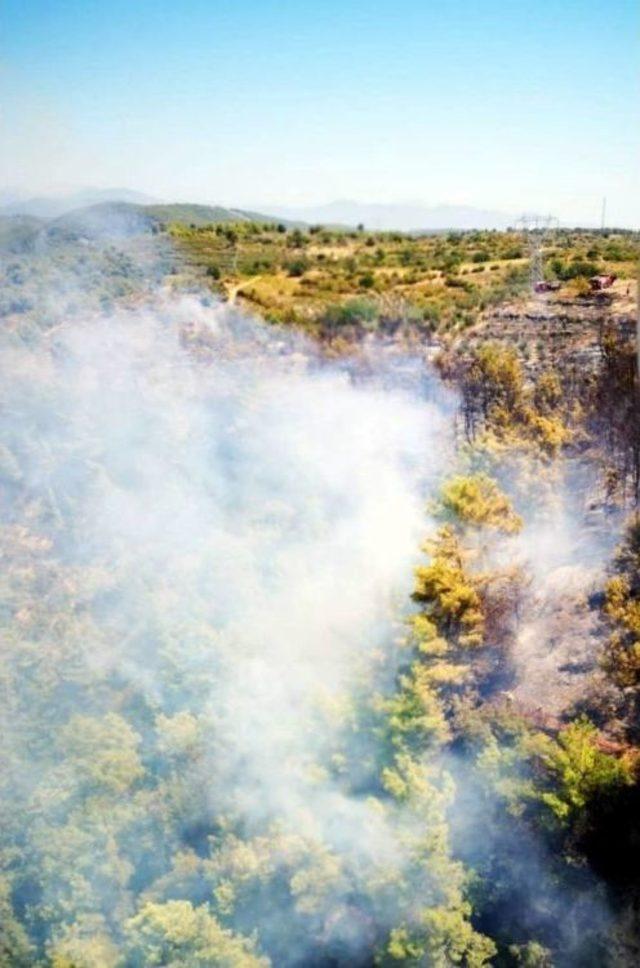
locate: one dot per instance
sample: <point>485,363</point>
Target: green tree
<point>622,609</point>
<point>103,750</point>
<point>179,935</point>
<point>447,593</point>
<point>578,772</point>
<point>476,500</point>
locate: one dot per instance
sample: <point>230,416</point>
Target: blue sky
<point>506,105</point>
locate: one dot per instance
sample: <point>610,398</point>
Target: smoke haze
<point>231,525</point>
<point>209,532</point>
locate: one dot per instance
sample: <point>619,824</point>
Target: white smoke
<point>249,516</point>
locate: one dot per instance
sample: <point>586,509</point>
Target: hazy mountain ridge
<point>394,216</point>
<point>53,206</point>
<point>116,219</point>
<point>403,217</point>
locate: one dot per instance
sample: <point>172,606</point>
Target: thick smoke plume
<point>238,522</point>
<point>209,533</point>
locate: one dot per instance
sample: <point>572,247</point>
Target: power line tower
<point>536,230</point>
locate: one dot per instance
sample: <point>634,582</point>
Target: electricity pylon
<point>536,229</point>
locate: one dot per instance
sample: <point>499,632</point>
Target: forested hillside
<point>320,598</point>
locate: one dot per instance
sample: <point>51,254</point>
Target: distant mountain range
<point>52,206</point>
<point>401,217</point>
<point>123,211</point>
<point>122,201</point>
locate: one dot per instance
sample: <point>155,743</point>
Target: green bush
<point>297,268</point>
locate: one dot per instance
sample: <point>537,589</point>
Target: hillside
<point>18,232</point>
<point>329,515</point>
<point>202,215</point>
<point>464,300</point>
<point>446,283</point>
<point>116,219</point>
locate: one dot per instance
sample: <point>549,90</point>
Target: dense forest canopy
<point>276,610</point>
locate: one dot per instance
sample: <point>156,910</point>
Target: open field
<point>324,279</point>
